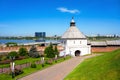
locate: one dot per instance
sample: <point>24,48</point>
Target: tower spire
<point>72,23</point>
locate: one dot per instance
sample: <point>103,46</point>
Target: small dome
<point>72,20</point>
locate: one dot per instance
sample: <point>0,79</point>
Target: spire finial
<point>72,17</point>
<point>72,23</point>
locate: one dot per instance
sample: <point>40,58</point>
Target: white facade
<point>74,42</point>
<point>71,46</point>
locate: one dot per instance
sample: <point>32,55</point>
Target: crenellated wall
<point>60,48</point>
<point>16,48</point>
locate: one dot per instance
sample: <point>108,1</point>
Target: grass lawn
<point>30,70</point>
<point>104,67</point>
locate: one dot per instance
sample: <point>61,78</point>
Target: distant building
<point>40,35</point>
<point>105,46</point>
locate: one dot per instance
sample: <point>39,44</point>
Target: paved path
<point>58,71</point>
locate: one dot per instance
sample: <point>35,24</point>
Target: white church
<point>74,42</point>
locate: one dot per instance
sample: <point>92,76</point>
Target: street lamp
<point>55,57</point>
<point>70,53</point>
<point>64,55</point>
<point>42,60</point>
<point>12,66</point>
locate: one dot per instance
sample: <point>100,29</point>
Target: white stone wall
<point>84,50</point>
<point>71,46</point>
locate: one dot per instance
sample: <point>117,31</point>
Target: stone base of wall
<point>104,49</point>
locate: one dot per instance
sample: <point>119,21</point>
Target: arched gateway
<point>77,53</point>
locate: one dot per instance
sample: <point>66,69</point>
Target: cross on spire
<point>72,23</point>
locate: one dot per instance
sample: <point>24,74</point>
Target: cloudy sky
<point>25,17</point>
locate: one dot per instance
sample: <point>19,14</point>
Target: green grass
<point>104,67</point>
<point>30,70</point>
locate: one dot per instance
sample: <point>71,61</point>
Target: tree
<point>11,44</point>
<point>13,54</point>
<point>49,51</point>
<point>33,52</point>
<point>56,52</point>
<point>23,51</point>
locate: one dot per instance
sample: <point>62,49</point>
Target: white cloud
<point>63,9</point>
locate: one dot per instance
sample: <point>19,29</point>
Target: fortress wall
<point>104,49</point>
<point>16,48</point>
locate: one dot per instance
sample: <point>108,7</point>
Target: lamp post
<point>12,65</point>
<point>42,60</point>
<point>55,57</point>
<point>70,54</point>
<point>64,55</point>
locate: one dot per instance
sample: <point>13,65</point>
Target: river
<point>3,41</point>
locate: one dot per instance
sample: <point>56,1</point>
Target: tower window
<point>80,42</point>
<point>74,42</point>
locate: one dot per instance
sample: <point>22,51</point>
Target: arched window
<point>80,42</point>
<point>74,42</point>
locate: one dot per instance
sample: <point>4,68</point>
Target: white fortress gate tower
<point>74,42</point>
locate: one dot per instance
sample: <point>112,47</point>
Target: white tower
<point>75,43</point>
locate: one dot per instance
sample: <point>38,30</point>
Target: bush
<point>11,44</point>
<point>50,61</point>
<point>23,51</point>
<point>18,72</point>
<point>33,65</point>
<point>49,51</point>
<point>3,57</point>
<point>33,52</point>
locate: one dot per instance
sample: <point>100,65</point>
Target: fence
<point>21,66</point>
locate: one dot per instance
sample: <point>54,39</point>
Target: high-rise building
<point>40,35</point>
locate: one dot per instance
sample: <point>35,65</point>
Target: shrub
<point>18,72</point>
<point>3,57</point>
<point>49,51</point>
<point>33,52</point>
<point>23,51</point>
<point>50,61</point>
<point>33,65</point>
<point>11,44</point>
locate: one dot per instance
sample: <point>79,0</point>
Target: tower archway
<point>77,53</point>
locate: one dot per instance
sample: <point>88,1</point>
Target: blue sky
<point>25,17</point>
